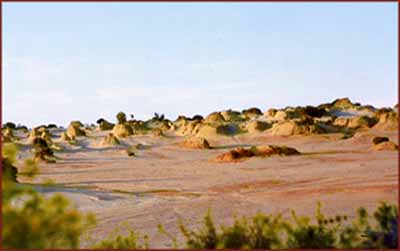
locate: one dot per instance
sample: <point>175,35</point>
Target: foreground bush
<point>117,241</point>
<point>301,232</point>
<point>32,221</point>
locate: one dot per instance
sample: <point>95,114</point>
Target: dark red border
<point>1,122</point>
<point>238,1</point>
<point>290,1</point>
<point>398,110</point>
<point>7,249</point>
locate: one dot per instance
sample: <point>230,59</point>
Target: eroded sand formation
<point>341,153</point>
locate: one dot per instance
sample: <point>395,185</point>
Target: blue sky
<point>83,61</point>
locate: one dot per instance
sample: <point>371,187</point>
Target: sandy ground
<point>166,182</point>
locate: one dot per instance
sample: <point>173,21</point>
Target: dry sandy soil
<point>166,182</point>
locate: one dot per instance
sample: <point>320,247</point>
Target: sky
<point>85,61</point>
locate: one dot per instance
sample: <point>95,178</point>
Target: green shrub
<point>385,232</point>
<point>206,237</point>
<point>304,234</point>
<point>10,125</point>
<point>9,171</point>
<point>117,241</point>
<point>32,221</point>
<point>261,232</point>
<point>42,150</point>
<point>321,232</point>
<point>121,118</point>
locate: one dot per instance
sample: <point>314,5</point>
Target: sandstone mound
<point>195,143</point>
<point>207,131</point>
<point>232,116</point>
<point>378,140</point>
<point>235,155</point>
<point>296,113</point>
<point>388,121</point>
<point>240,154</point>
<point>257,126</point>
<point>252,112</point>
<point>46,135</point>
<point>33,134</point>
<point>301,113</point>
<point>291,114</point>
<point>341,121</point>
<point>381,111</point>
<point>180,121</point>
<point>186,127</point>
<point>164,125</point>
<point>76,124</point>
<point>280,115</point>
<point>366,110</point>
<point>122,130</point>
<point>386,146</point>
<point>215,117</point>
<point>269,150</point>
<point>110,140</point>
<point>361,122</point>
<point>158,132</point>
<point>39,132</point>
<point>270,112</point>
<point>211,130</point>
<point>74,129</point>
<point>64,137</point>
<point>138,127</point>
<point>290,127</point>
<point>342,103</point>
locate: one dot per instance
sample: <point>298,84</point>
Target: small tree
<point>121,117</point>
<point>42,150</point>
<point>9,125</point>
<point>38,222</point>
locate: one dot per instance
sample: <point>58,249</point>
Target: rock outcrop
<point>122,130</point>
<point>257,126</point>
<point>252,112</point>
<point>75,129</point>
<point>110,140</point>
<point>387,121</point>
<point>290,127</point>
<point>386,146</point>
<point>215,117</point>
<point>195,143</point>
<point>241,153</point>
